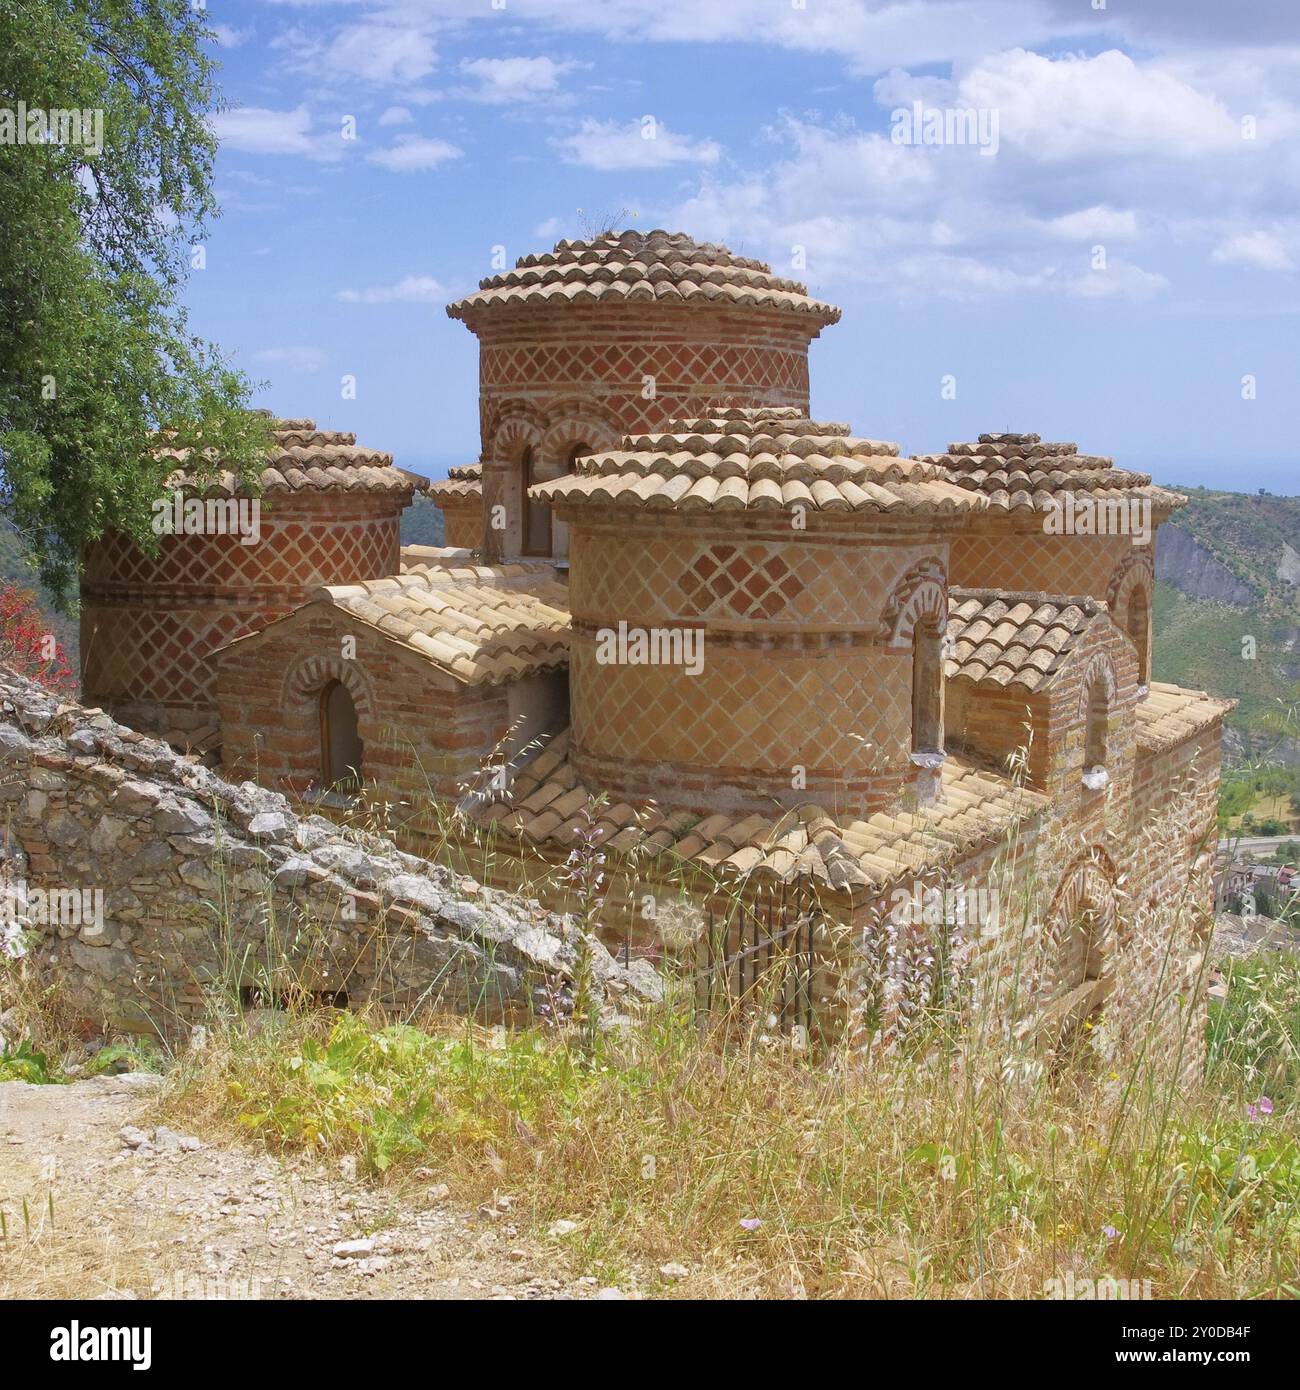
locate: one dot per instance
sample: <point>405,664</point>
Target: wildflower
<point>751,1223</point>
<point>1109,1232</point>
<point>1259,1109</point>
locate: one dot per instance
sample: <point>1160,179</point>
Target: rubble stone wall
<point>149,885</point>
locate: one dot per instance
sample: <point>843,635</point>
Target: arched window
<point>1138,628</point>
<point>1096,736</point>
<point>927,688</point>
<point>340,743</point>
<point>537,514</point>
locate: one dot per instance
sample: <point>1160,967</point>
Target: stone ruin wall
<point>210,887</point>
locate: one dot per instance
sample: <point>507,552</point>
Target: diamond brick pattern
<point>159,655</point>
<point>1031,561</point>
<point>153,622</point>
<point>745,710</point>
<point>673,365</point>
<point>291,554</point>
<point>749,583</point>
<point>656,578</point>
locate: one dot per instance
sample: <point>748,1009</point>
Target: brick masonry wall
<point>804,684</point>
<point>423,734</point>
<point>463,523</point>
<point>550,379</point>
<point>150,624</point>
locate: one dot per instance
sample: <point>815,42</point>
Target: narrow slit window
<point>537,514</point>
<point>340,741</point>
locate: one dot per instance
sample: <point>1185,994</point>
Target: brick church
<point>750,654</point>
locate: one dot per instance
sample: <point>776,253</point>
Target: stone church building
<point>756,658</point>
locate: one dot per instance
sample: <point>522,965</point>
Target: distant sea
<point>1278,476</point>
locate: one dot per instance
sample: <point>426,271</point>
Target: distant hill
<point>422,523</point>
<point>1227,569</point>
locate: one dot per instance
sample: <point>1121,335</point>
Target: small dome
<point>463,483</point>
<point>636,267</point>
<point>1020,472</point>
<point>305,459</point>
<point>758,460</point>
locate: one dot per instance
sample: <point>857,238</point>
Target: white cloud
<point>383,50</point>
<point>260,130</point>
<point>649,144</point>
<point>412,153</point>
<point>515,79</point>
<point>552,227</point>
<point>298,358</point>
<point>395,115</point>
<point>227,36</point>
<point>1095,224</point>
<point>413,289</point>
<point>1120,280</point>
<point>1261,250</point>
<point>1108,105</point>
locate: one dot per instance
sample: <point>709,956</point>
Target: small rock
<point>609,1296</point>
<point>131,1137</point>
<point>353,1249</point>
<point>515,1256</point>
<point>673,1271</point>
<point>565,1228</point>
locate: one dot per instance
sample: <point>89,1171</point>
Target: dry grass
<point>768,1174</point>
<point>56,1243</point>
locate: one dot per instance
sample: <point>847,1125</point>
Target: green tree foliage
<point>95,244</point>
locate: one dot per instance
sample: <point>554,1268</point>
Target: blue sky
<point>1166,133</point>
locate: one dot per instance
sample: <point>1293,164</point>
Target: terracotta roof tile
<point>1021,473</point>
<point>1170,715</point>
<point>463,484</point>
<point>477,623</point>
<point>633,266</point>
<point>1001,638</point>
<point>975,807</point>
<point>303,458</point>
<point>757,459</point>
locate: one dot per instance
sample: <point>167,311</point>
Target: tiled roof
<point>757,460</point>
<point>632,267</point>
<point>1001,638</point>
<point>1170,715</point>
<point>304,459</point>
<point>448,564</point>
<point>473,622</point>
<point>545,806</point>
<point>1018,472</point>
<point>462,484</point>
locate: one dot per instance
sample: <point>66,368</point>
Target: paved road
<point>1256,844</point>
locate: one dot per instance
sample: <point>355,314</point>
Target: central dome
<point>632,266</point>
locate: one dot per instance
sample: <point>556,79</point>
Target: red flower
<point>26,643</point>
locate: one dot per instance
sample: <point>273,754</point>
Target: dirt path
<point>86,1215</point>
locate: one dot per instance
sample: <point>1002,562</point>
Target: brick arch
<point>513,434</point>
<point>921,593</point>
<point>1083,922</point>
<point>1137,567</point>
<point>1133,581</point>
<point>1102,668</point>
<point>572,421</point>
<point>307,677</point>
